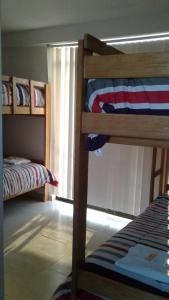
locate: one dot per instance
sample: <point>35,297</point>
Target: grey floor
<point>38,245</point>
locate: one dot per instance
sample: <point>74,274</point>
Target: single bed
<point>150,229</point>
<point>21,178</point>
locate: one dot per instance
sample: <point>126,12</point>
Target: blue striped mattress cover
<point>143,96</point>
<point>151,229</point>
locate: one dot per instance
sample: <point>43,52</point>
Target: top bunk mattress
<point>148,96</point>
<point>140,96</point>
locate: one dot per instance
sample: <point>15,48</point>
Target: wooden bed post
<point>166,185</point>
<point>155,173</point>
<point>80,175</point>
<point>152,180</point>
<point>86,47</point>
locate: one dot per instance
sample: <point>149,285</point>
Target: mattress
<point>149,229</point>
<point>143,96</point>
<point>19,179</point>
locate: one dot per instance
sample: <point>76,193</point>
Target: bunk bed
<point>30,98</point>
<point>95,277</point>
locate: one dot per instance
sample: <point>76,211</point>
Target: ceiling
<point>18,15</point>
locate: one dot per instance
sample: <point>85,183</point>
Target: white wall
<point>24,135</point>
<point>123,26</point>
<point>25,62</point>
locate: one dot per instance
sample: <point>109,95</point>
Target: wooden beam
<point>152,179</point>
<point>93,44</point>
<point>138,142</point>
<point>113,289</point>
<point>161,183</point>
<point>130,126</point>
<point>80,176</point>
<point>166,171</point>
<point>127,65</point>
<point>6,78</point>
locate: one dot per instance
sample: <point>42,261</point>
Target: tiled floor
<point>37,245</point>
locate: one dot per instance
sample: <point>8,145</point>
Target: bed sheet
<point>149,229</point>
<point>21,178</point>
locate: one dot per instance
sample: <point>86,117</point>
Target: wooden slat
<point>113,289</point>
<point>23,192</point>
<point>22,110</point>
<point>152,179</point>
<point>7,109</point>
<point>134,126</point>
<point>39,84</point>
<point>22,81</point>
<point>93,44</point>
<point>161,182</point>
<point>127,65</point>
<point>6,78</point>
<point>138,142</point>
<point>38,111</point>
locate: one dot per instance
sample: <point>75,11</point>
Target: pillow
<point>14,160</point>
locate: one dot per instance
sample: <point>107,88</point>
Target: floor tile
<point>38,246</point>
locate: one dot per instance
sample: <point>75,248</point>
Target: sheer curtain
<point>62,66</point>
<point>119,178</point>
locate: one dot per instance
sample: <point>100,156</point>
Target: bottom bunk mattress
<point>148,231</point>
<point>18,179</point>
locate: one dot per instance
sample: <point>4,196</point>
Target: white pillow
<point>14,160</point>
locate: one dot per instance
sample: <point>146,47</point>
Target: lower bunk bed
<point>137,256</point>
<point>22,176</point>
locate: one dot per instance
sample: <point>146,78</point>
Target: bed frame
<point>32,110</point>
<point>140,130</point>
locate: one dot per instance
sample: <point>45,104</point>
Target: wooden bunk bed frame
<point>45,111</point>
<point>140,130</point>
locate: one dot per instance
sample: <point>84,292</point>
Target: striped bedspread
<point>21,178</point>
<point>143,96</point>
<point>23,95</point>
<point>39,99</point>
<point>150,229</point>
<point>6,93</point>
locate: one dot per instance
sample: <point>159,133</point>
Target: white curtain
<point>119,179</point>
<point>62,65</point>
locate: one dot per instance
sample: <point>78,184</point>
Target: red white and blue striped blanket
<point>21,178</point>
<point>143,96</point>
<point>149,229</point>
